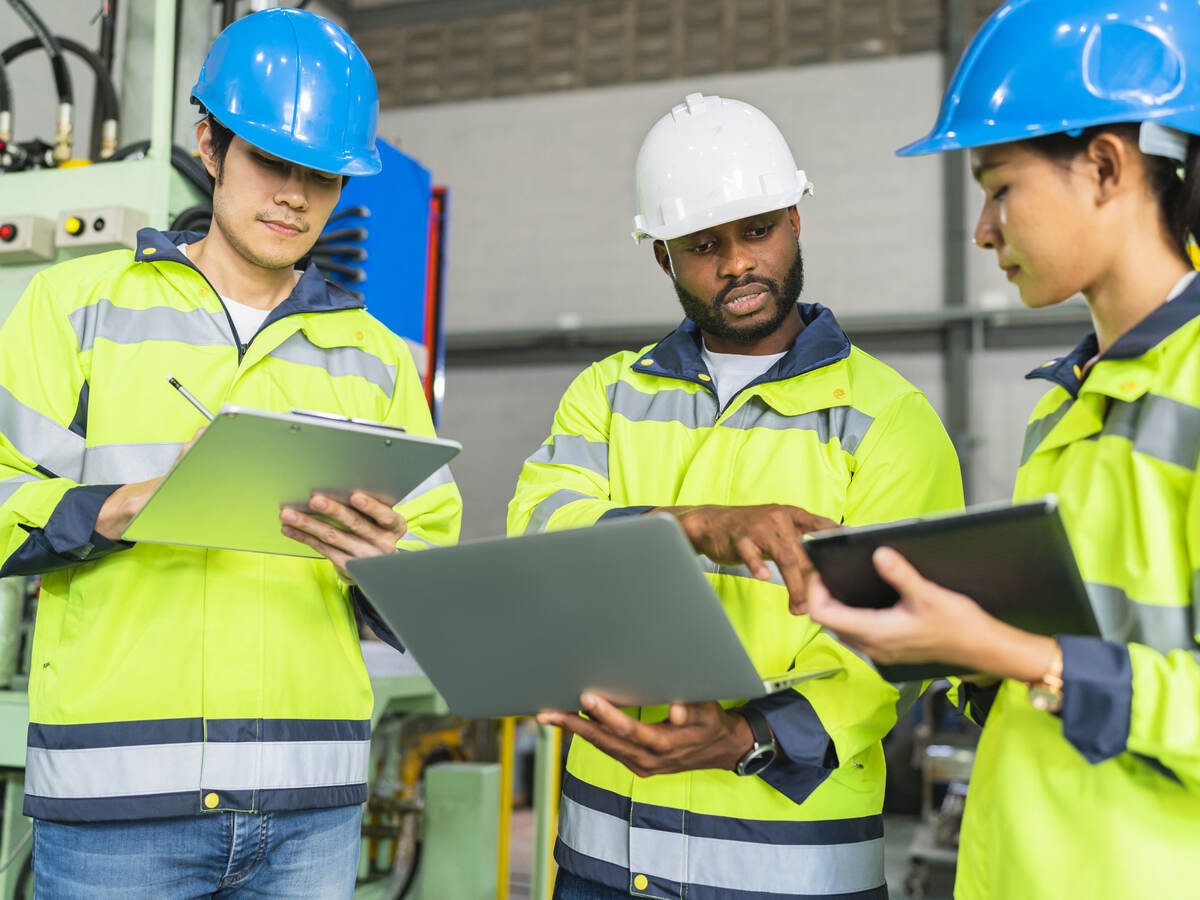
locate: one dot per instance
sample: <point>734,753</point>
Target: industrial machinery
<point>430,829</point>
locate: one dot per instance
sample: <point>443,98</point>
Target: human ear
<point>663,258</point>
<point>204,144</point>
<point>1108,161</point>
<point>794,218</point>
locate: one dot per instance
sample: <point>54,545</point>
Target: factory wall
<point>540,214</point>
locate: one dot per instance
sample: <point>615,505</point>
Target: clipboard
<point>227,490</point>
<point>1014,560</point>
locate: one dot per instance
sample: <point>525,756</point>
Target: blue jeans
<point>305,853</point>
<point>572,887</point>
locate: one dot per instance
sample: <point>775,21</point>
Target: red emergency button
<point>8,232</point>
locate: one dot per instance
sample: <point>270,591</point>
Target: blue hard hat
<point>1045,66</point>
<point>296,86</point>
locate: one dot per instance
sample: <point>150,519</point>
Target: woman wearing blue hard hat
<point>1081,119</point>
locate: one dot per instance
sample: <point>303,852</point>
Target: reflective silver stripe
<point>121,325</point>
<point>593,833</point>
<point>436,480</point>
<point>40,438</point>
<point>739,571</point>
<point>127,463</point>
<point>543,511</point>
<point>1159,427</point>
<point>845,423</point>
<point>690,409</point>
<point>786,869</point>
<point>1165,628</point>
<point>169,768</point>
<point>573,450</point>
<point>1037,430</point>
<point>409,536</point>
<point>338,361</point>
<point>10,486</point>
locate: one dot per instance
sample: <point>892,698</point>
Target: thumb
<point>679,714</point>
<point>896,570</point>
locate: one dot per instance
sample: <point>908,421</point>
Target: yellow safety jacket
<point>829,429</point>
<point>170,680</point>
<point>1103,801</point>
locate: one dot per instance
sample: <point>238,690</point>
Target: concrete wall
<point>542,192</point>
<point>541,203</point>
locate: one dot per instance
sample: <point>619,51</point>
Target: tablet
<point>227,490</point>
<point>509,626</point>
<point>1014,560</point>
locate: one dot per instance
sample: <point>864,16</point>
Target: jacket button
<point>640,882</point>
<point>839,394</point>
<point>211,800</point>
<point>647,361</point>
<point>703,377</point>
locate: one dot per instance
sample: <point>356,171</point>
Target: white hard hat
<point>712,160</point>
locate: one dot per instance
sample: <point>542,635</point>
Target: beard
<point>709,315</point>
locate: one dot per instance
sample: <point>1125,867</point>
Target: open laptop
<point>509,626</point>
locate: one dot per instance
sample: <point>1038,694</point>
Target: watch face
<point>757,760</point>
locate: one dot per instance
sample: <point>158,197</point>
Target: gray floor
<point>898,835</point>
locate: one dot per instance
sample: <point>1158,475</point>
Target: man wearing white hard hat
<point>754,422</point>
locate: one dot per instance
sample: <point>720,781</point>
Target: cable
<point>355,276</point>
<point>99,146</point>
<point>62,78</point>
<point>104,85</point>
<point>342,234</point>
<point>350,251</point>
<point>359,212</point>
<point>194,218</point>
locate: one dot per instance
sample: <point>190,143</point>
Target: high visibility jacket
<point>1103,801</point>
<point>829,429</point>
<point>170,680</point>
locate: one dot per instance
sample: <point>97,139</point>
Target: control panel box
<point>26,239</point>
<point>100,228</point>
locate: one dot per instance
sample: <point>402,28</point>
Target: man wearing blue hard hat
<point>200,718</point>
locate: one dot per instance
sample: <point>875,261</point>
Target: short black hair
<point>222,137</point>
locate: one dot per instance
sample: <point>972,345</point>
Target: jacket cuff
<point>622,511</point>
<point>1097,696</point>
<point>807,754</point>
<point>366,612</point>
<point>69,536</point>
<point>974,702</point>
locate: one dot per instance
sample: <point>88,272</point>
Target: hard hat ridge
<point>712,160</point>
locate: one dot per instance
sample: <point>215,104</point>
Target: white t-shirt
<point>733,371</point>
<point>246,319</point>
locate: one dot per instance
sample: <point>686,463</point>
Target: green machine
<point>427,805</point>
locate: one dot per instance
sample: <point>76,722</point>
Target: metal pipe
<point>108,40</point>
<point>508,739</point>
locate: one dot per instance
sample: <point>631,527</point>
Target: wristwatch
<point>1046,693</point>
<point>765,748</point>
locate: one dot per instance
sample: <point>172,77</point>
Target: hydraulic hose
<point>62,78</point>
<point>106,91</point>
<point>98,146</point>
<point>342,234</point>
<point>354,275</point>
<point>5,105</point>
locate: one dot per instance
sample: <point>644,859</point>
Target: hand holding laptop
<point>694,736</point>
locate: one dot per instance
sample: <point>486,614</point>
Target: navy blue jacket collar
<point>1164,321</point>
<point>312,293</point>
<point>821,343</point>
